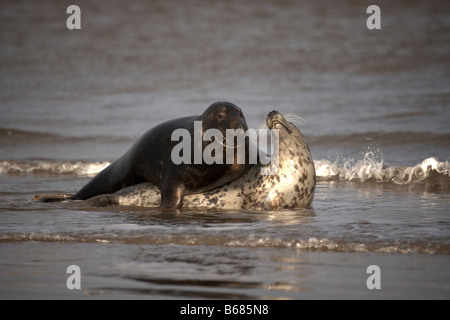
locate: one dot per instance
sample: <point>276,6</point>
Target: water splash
<point>372,168</point>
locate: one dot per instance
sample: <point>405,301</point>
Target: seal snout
<point>273,113</point>
<point>271,118</point>
<point>276,120</point>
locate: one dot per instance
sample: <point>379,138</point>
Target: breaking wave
<point>77,168</point>
<point>368,169</point>
<point>371,168</point>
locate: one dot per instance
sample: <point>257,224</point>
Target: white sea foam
<point>78,168</point>
<point>371,168</point>
<point>43,237</point>
<point>324,244</point>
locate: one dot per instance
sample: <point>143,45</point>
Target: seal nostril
<point>272,113</point>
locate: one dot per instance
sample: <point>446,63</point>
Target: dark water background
<point>376,105</point>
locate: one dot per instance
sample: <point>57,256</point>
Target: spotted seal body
<point>292,187</point>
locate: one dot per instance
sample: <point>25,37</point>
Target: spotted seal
<point>292,187</point>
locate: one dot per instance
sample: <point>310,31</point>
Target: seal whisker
<point>291,117</point>
<point>228,142</point>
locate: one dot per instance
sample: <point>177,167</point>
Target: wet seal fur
<point>292,187</point>
<point>149,160</point>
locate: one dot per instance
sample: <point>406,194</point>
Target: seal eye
<point>221,116</point>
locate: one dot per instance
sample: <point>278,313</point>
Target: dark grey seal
<point>149,160</point>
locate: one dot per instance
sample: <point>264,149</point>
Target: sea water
<point>376,105</point>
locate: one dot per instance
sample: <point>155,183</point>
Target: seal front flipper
<point>172,196</point>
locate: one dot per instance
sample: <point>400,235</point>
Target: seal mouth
<point>275,120</point>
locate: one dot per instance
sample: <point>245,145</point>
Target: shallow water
<point>376,110</point>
